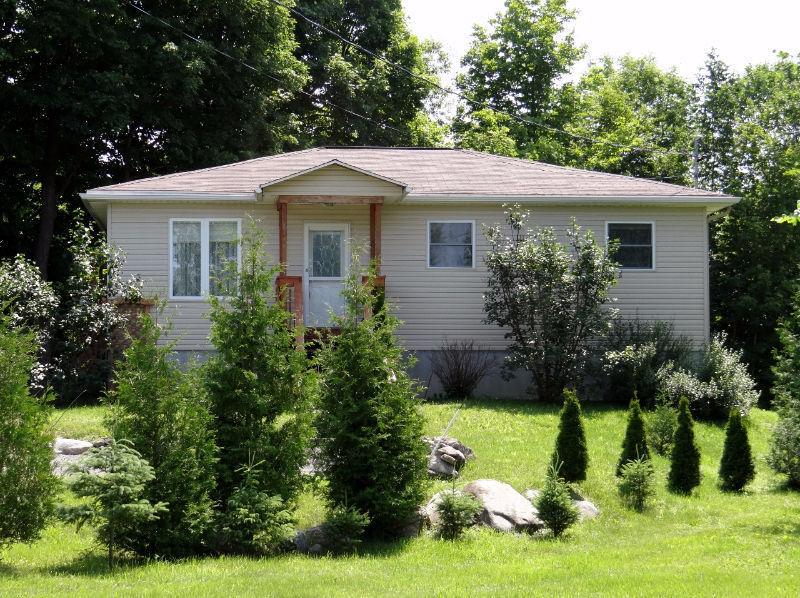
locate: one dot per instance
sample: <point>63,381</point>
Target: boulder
<point>438,467</point>
<point>70,446</point>
<point>311,540</point>
<point>504,508</point>
<point>430,510</point>
<point>102,442</point>
<point>449,456</point>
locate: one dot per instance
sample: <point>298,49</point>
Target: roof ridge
<point>585,171</point>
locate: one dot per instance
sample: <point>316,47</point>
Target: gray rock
<point>532,495</point>
<point>102,442</point>
<point>504,508</point>
<point>448,459</point>
<point>431,510</point>
<point>61,463</point>
<point>70,446</point>
<point>456,455</point>
<point>450,455</point>
<point>437,467</point>
<point>306,540</point>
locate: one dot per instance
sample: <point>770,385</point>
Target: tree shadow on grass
<point>92,563</point>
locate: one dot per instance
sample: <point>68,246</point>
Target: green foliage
<point>27,486</point>
<point>636,485</point>
<point>364,84</point>
<point>457,512</point>
<point>517,66</point>
<point>113,478</point>
<point>344,529</point>
<point>717,384</point>
<point>784,454</point>
<point>259,384</point>
<point>737,468</point>
<point>551,299</point>
<point>165,414</point>
<point>369,424</point>
<point>253,522</point>
<point>555,504</point>
<point>571,454</point>
<point>634,446</point>
<point>635,351</point>
<point>684,470</point>
<point>661,426</point>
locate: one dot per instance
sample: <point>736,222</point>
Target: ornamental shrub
<point>637,484</point>
<point>113,478</point>
<point>457,511</point>
<point>737,468</point>
<point>555,505</point>
<point>571,454</point>
<point>27,486</point>
<point>661,425</point>
<point>784,455</point>
<point>369,423</point>
<point>634,446</point>
<point>551,297</point>
<point>260,387</point>
<point>344,529</point>
<point>635,351</point>
<point>684,471</point>
<point>165,414</point>
<point>460,367</point>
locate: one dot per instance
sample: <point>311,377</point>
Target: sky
<point>678,33</point>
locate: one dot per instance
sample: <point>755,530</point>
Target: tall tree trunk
<point>47,216</point>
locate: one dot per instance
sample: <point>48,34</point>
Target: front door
<point>326,260</point>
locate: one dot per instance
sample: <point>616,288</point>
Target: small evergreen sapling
<point>661,428</point>
<point>736,469</point>
<point>571,451</point>
<point>635,444</point>
<point>457,511</point>
<point>555,505</point>
<point>684,471</point>
<point>636,485</point>
<point>344,529</point>
<point>114,479</point>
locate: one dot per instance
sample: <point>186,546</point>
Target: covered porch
<point>316,237</point>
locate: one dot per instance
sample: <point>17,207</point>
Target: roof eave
<point>710,201</point>
<point>153,195</point>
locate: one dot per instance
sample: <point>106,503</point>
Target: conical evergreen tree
<point>736,469</point>
<point>635,444</point>
<point>571,454</point>
<point>684,471</point>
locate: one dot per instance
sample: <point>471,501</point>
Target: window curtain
<point>186,259</point>
<point>222,252</point>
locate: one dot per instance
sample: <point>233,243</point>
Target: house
<point>420,212</point>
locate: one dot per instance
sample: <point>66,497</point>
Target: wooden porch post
<point>282,251</point>
<point>375,235</point>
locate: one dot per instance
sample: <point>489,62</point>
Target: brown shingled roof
<point>424,172</point>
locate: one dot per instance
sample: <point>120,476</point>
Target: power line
<point>261,71</point>
<point>448,90</point>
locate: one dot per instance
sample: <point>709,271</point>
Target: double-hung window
<point>451,244</point>
<point>635,244</point>
<point>202,253</point>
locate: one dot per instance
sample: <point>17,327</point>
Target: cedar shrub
<point>736,469</point>
<point>571,455</point>
<point>634,446</point>
<point>684,471</point>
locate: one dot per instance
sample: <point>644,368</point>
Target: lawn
<point>708,544</point>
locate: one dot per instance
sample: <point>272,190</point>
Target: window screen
<point>635,249</point>
<point>450,244</point>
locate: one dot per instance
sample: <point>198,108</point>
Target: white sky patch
<point>678,33</point>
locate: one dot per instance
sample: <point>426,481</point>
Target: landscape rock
<point>70,446</point>
<point>504,508</point>
<point>449,456</point>
<point>61,463</point>
<point>438,467</point>
<point>102,442</point>
<point>430,510</point>
<point>311,540</point>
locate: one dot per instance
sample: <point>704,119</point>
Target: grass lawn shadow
<point>91,563</point>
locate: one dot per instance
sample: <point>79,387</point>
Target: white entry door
<point>326,264</point>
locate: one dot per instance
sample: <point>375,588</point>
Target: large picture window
<point>451,244</point>
<point>201,251</point>
<point>636,244</point>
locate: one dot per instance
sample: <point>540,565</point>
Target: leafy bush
<point>253,522</point>
<point>344,529</point>
<point>737,468</point>
<point>165,414</point>
<point>635,352</point>
<point>636,483</point>
<point>661,425</point>
<point>719,383</point>
<point>369,423</point>
<point>784,455</point>
<point>27,486</point>
<point>684,471</point>
<point>260,387</point>
<point>571,454</point>
<point>551,298</point>
<point>634,446</point>
<point>457,511</point>
<point>113,478</point>
<point>460,366</point>
<point>555,505</point>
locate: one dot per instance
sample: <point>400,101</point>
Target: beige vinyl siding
<point>433,303</point>
<point>141,230</point>
<point>334,180</point>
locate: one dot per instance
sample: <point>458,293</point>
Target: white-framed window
<point>200,251</point>
<point>451,243</point>
<point>636,249</point>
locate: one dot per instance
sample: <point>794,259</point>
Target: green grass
<point>85,423</point>
<point>708,544</point>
